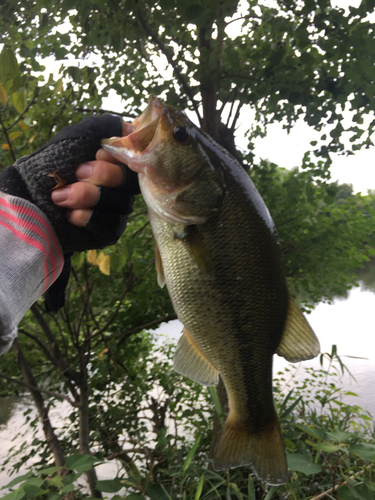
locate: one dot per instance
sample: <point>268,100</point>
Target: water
<point>348,323</point>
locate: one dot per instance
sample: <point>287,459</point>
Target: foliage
<point>289,60</point>
<point>280,63</point>
<point>325,230</point>
<point>329,444</point>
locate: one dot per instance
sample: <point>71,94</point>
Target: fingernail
<point>84,170</point>
<point>60,195</point>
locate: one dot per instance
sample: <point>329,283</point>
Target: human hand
<point>82,228</point>
<point>81,199</point>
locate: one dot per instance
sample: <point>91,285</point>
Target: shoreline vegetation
<point>329,445</point>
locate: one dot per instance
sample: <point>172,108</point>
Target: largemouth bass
<point>217,251</point>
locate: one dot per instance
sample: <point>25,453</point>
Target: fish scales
<point>218,253</point>
<point>234,299</point>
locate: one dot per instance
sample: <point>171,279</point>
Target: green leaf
<point>364,450</point>
<point>31,490</point>
<point>18,479</point>
<point>216,401</point>
<point>199,488</point>
<point>302,463</point>
<point>55,481</point>
<point>312,431</point>
<point>67,489</point>
<point>135,496</point>
<point>352,492</point>
<point>80,463</point>
<point>190,455</point>
<point>9,68</point>
<point>18,99</point>
<point>13,495</point>
<point>109,485</point>
<point>339,436</point>
<point>250,488</point>
<point>35,481</point>
<point>54,496</point>
<point>78,259</point>
<point>271,492</point>
<point>3,95</point>
<point>327,447</point>
<point>118,260</point>
<point>236,490</point>
<point>157,492</point>
<point>70,478</point>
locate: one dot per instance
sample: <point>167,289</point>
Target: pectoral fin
<point>298,341</point>
<point>189,361</point>
<point>197,249</point>
<point>159,267</point>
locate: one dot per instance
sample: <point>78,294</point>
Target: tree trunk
<point>51,438</point>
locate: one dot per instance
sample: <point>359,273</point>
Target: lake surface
<point>348,323</point>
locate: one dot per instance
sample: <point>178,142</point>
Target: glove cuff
<point>11,183</point>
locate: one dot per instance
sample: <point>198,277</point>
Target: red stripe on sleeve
<point>49,247</point>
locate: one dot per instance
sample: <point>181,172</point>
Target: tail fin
<point>264,451</point>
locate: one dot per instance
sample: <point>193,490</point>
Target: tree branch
<point>236,116</point>
<point>60,361</point>
<point>40,343</point>
<point>36,92</point>
<point>131,331</point>
<point>124,454</point>
<point>49,433</point>
<point>337,486</point>
<point>168,54</point>
<point>8,139</point>
<point>287,221</point>
<point>103,111</point>
<point>38,389</point>
<point>113,315</point>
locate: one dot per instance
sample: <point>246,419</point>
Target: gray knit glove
<point>31,178</point>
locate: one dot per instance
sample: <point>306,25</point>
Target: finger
<point>79,217</point>
<point>77,195</point>
<point>100,173</point>
<point>103,155</point>
<point>127,128</point>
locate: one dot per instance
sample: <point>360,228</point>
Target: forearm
<point>31,259</point>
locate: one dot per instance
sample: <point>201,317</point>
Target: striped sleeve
<point>31,259</point>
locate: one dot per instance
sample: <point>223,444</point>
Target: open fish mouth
<point>144,139</point>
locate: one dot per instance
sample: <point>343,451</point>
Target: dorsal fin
<point>298,341</point>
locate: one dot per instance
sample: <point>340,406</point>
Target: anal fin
<point>189,361</point>
<point>298,341</point>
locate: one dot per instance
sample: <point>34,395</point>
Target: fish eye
<point>180,134</point>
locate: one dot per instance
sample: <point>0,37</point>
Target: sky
<point>287,150</point>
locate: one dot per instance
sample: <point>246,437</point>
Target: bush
<point>329,446</point>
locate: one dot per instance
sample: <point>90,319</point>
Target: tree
<point>297,60</point>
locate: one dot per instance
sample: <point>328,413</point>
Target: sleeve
<point>31,259</point>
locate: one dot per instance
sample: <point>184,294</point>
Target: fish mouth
<point>145,138</point>
<point>140,150</point>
